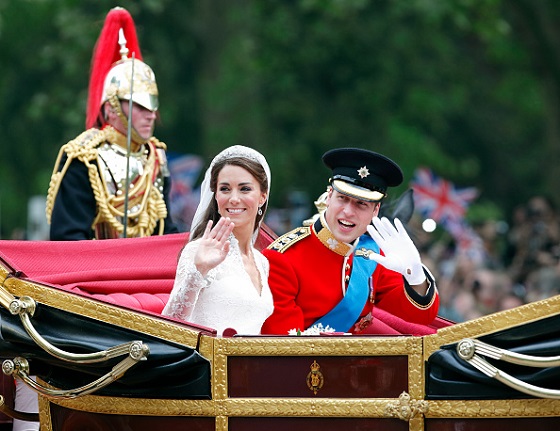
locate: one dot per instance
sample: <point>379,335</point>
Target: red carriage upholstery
<point>135,273</point>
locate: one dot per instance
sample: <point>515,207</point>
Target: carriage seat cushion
<point>153,302</point>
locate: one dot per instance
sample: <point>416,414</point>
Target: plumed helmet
<point>116,57</point>
<point>118,83</point>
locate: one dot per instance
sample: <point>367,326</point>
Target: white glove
<point>401,254</point>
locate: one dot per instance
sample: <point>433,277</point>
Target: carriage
<point>84,317</point>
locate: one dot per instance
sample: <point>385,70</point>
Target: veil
<point>206,195</point>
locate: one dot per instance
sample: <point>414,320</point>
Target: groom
<point>333,274</point>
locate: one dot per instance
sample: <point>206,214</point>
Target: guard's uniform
<point>86,195</point>
<point>309,272</point>
<point>91,194</point>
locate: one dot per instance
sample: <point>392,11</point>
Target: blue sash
<point>342,317</point>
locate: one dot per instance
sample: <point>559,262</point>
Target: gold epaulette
<point>282,243</point>
<point>158,143</point>
<point>84,144</point>
<point>83,148</point>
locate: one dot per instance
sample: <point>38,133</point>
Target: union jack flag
<point>467,240</point>
<point>439,199</point>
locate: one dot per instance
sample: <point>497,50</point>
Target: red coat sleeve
<point>393,296</point>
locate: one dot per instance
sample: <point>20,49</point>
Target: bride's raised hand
<point>214,245</point>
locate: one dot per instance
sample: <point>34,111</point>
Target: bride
<point>222,280</point>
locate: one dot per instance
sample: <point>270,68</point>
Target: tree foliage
<point>467,87</point>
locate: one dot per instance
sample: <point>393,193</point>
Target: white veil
<point>206,195</point>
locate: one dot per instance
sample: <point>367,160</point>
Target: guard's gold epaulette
<point>83,148</point>
<point>158,143</point>
<point>89,138</point>
<point>282,243</point>
<point>84,145</point>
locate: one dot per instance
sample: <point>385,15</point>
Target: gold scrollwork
<point>406,408</point>
<point>363,252</point>
<point>315,379</point>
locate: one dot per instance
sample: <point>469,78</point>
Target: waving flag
<point>439,199</point>
<point>468,242</point>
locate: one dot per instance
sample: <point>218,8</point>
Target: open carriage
<point>84,318</point>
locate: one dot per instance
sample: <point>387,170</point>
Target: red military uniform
<point>308,278</point>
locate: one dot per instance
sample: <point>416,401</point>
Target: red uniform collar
<point>324,234</point>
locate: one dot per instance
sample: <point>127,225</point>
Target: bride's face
<point>238,195</point>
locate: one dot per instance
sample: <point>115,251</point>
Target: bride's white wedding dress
<point>226,297</point>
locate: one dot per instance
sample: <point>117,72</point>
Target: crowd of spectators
<point>520,264</point>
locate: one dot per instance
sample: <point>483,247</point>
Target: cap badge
<point>363,172</point>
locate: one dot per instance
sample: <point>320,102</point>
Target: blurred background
<point>461,93</point>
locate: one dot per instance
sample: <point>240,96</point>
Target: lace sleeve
<point>188,283</point>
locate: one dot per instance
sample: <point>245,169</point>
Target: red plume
<point>106,53</point>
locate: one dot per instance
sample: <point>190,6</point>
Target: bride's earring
<point>259,211</point>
